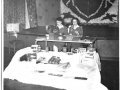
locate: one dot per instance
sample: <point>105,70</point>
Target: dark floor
<point>109,72</point>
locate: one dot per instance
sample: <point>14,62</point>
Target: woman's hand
<point>55,31</point>
<point>77,32</point>
<point>60,34</point>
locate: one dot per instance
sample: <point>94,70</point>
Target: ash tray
<point>41,71</point>
<point>70,53</point>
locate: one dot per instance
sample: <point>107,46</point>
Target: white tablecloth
<point>26,72</point>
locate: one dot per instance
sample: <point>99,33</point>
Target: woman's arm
<point>70,29</point>
<point>80,30</point>
<point>56,31</point>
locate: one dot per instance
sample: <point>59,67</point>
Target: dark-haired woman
<point>75,30</point>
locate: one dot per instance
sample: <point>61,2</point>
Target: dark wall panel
<point>108,48</point>
<point>101,31</point>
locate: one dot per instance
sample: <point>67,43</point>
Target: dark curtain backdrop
<point>14,12</point>
<point>32,13</point>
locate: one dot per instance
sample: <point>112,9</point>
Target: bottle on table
<point>65,48</point>
<point>39,48</point>
<point>47,49</point>
<point>55,49</point>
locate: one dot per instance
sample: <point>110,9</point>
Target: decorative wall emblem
<point>90,9</point>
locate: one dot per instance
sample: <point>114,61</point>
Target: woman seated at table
<point>59,33</point>
<point>75,30</point>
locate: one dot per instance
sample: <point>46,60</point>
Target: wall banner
<point>91,11</point>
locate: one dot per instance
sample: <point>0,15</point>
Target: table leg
<point>35,42</point>
<point>45,43</point>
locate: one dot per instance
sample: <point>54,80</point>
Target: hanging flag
<point>91,11</point>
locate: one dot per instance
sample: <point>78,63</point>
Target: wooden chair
<point>12,30</point>
<point>13,41</point>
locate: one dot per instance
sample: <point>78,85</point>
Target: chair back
<point>12,29</point>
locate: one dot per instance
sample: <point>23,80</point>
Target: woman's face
<point>75,22</point>
<point>59,23</point>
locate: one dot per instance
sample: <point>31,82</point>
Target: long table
<point>25,71</point>
<point>84,40</point>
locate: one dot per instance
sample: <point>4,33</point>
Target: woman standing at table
<point>75,30</point>
<point>59,33</point>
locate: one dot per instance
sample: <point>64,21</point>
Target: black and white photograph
<point>60,44</point>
